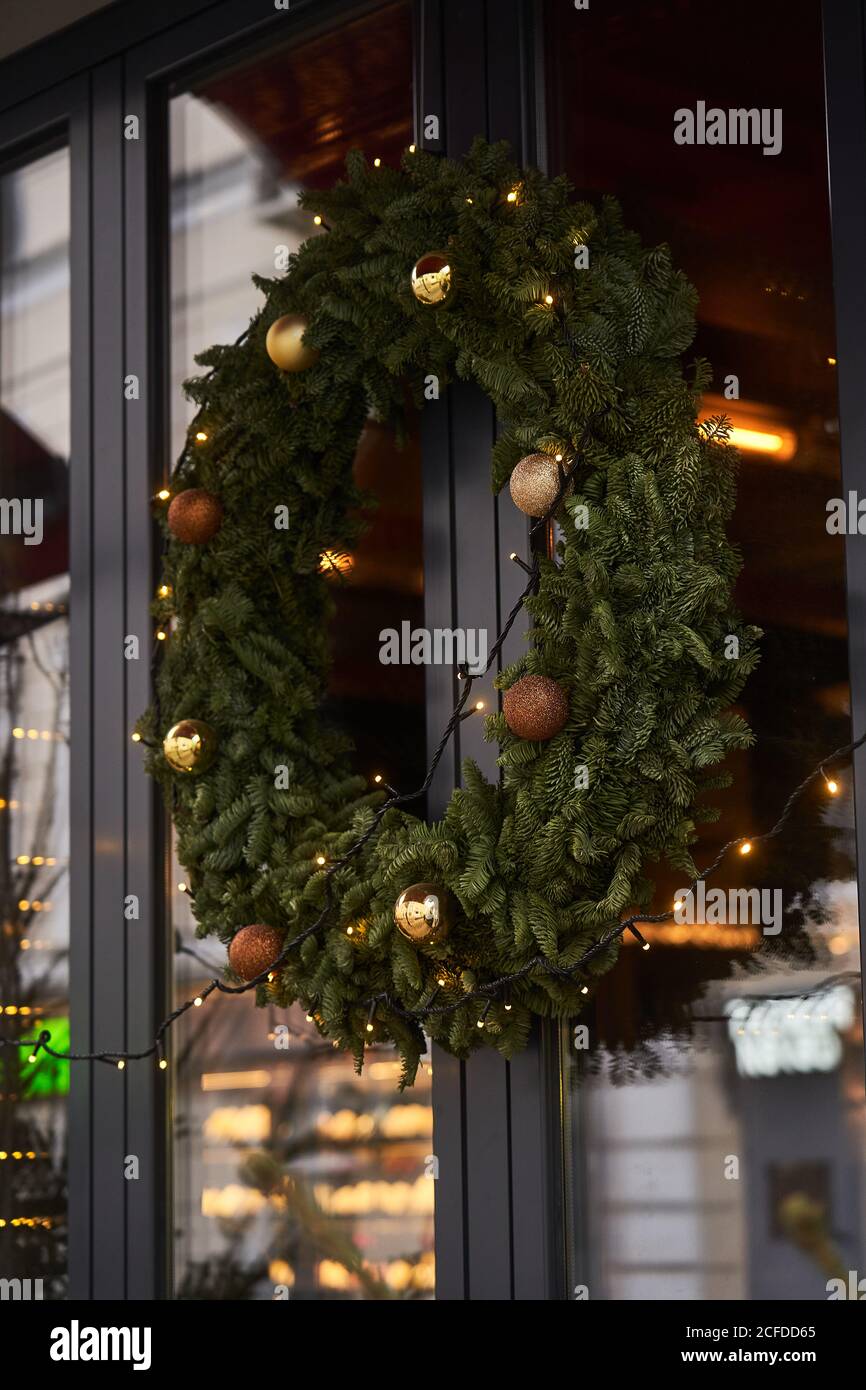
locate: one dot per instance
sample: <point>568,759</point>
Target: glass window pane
<point>293,1176</point>
<point>34,716</point>
<point>716,1118</point>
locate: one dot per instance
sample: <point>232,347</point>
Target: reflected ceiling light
<point>235,1080</point>
<point>780,444</point>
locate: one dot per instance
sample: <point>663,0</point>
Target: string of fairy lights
<point>485,993</point>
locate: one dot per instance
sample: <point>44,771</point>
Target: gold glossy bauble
<point>253,949</point>
<point>286,346</point>
<point>425,913</point>
<point>195,516</point>
<point>432,278</point>
<point>535,707</point>
<point>535,484</point>
<point>190,746</point>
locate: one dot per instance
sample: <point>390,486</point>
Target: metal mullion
<point>108,712</point>
<point>845,76</point>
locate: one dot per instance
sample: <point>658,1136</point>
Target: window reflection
<point>34,717</point>
<point>294,1178</point>
<point>716,1116</point>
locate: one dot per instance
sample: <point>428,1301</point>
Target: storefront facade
<point>708,1140</point>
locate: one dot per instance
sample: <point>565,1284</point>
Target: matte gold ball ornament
<point>432,278</point>
<point>425,913</point>
<point>253,949</point>
<point>534,484</point>
<point>195,516</point>
<point>190,746</point>
<point>286,347</point>
<point>535,707</point>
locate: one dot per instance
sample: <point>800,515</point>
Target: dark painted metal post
<point>146,324</point>
<point>108,708</point>
<point>492,1119</point>
<point>845,61</point>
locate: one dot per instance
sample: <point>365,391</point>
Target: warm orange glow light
<point>335,562</point>
<point>781,446</point>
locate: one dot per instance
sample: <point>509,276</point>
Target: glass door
<point>714,1105</point>
<point>293,1177</point>
<point>34,721</point>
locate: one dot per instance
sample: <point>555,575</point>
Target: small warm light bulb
<point>377,163</point>
<point>548,299</point>
<point>831,361</point>
<point>832,787</point>
<point>645,946</point>
<point>163,494</point>
<point>369,1027</point>
<point>512,197</point>
<point>136,738</point>
<point>746,847</point>
<point>198,1001</point>
<point>350,931</point>
<point>320,859</point>
<point>678,903</point>
<point>377,779</point>
<point>411,149</point>
<point>200,436</point>
<point>441,982</point>
<point>508,1008</point>
<point>309,1018</point>
<point>161,635</point>
<point>121,1064</point>
<point>317,220</point>
<point>480,1023</point>
<point>181,888</point>
<point>479,704</point>
<point>162,1064</point>
<point>584,989</point>
<point>164,590</point>
<point>17,733</point>
<point>32,1057</point>
<point>469,201</point>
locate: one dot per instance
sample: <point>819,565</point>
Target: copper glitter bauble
<point>195,516</point>
<point>535,484</point>
<point>253,950</point>
<point>432,278</point>
<point>286,346</point>
<point>424,913</point>
<point>190,746</point>
<point>535,707</point>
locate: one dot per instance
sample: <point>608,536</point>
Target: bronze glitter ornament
<point>432,278</point>
<point>253,949</point>
<point>424,913</point>
<point>195,516</point>
<point>534,483</point>
<point>190,746</point>
<point>286,347</point>
<point>535,707</point>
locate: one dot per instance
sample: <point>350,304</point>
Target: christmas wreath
<point>329,891</point>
